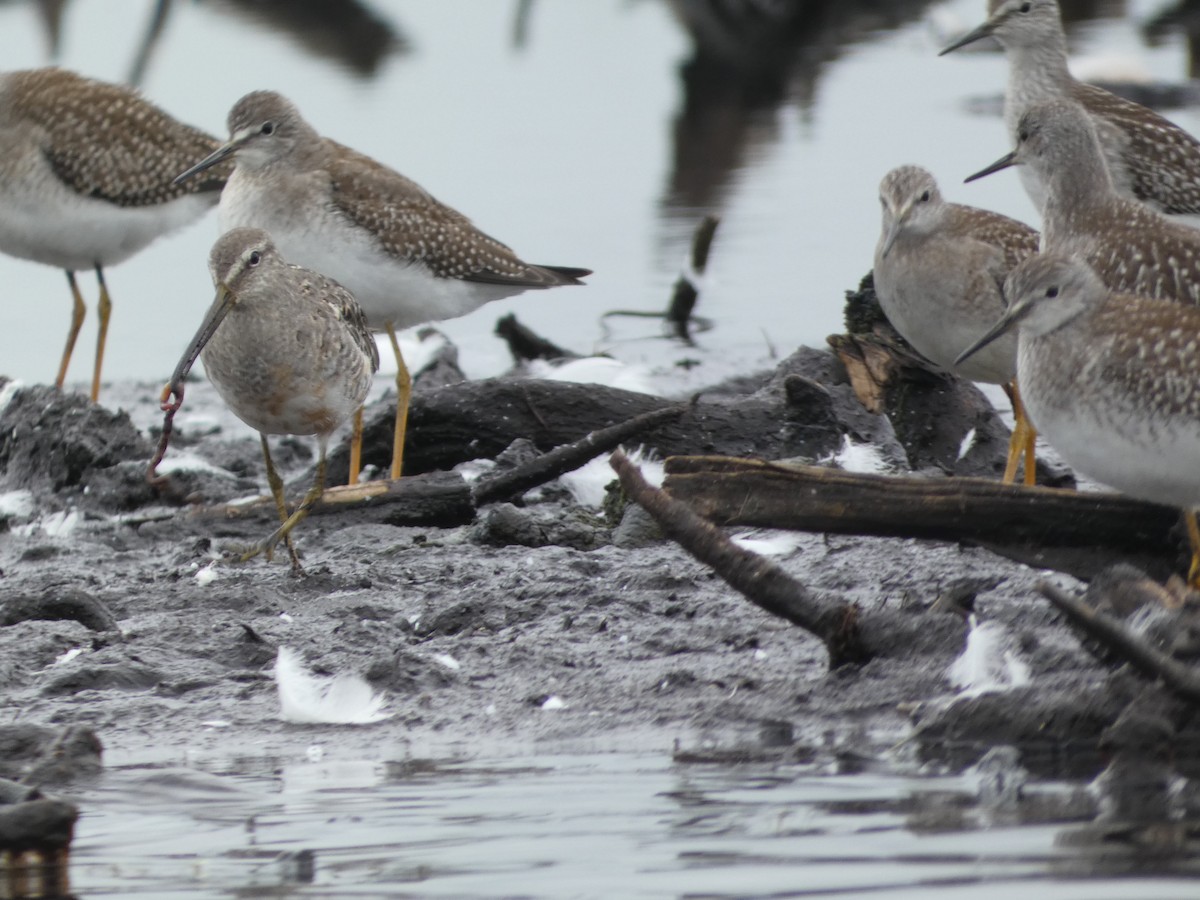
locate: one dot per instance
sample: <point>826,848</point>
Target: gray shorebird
<point>289,351</point>
<point>1111,380</point>
<point>86,173</point>
<point>939,271</point>
<point>406,257</point>
<point>1132,248</point>
<point>1151,159</point>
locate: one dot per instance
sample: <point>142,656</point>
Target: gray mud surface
<point>469,630</point>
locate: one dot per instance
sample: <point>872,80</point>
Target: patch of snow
<point>189,462</point>
<point>472,470</point>
<point>445,659</point>
<point>68,655</point>
<point>989,662</point>
<point>862,459</point>
<point>589,482</point>
<point>553,702</point>
<point>207,575</point>
<point>8,392</point>
<point>968,442</point>
<point>781,543</point>
<point>595,370</point>
<point>16,504</point>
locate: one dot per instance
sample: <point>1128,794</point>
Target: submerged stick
<point>761,581</point>
<point>1180,679</point>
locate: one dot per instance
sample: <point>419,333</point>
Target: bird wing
<point>411,225</point>
<point>105,141</point>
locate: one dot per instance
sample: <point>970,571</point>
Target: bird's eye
<point>1026,7</point>
<point>255,258</point>
<point>925,197</point>
<point>1022,136</point>
<point>1052,292</point>
<point>268,128</point>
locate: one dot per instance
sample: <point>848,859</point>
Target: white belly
<point>43,220</point>
<point>390,291</point>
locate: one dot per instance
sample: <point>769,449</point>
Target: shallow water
<point>597,825</point>
<point>581,134</point>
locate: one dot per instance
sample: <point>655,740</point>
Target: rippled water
<point>615,825</point>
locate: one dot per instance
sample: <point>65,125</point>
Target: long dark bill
<point>1004,162</point>
<point>174,388</point>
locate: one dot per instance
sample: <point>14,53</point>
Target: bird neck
<point>1038,70</point>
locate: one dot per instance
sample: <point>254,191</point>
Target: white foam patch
<point>778,544</point>
<point>8,392</point>
<point>595,370</point>
<point>589,482</point>
<point>862,459</point>
<point>989,662</point>
<point>554,702</point>
<point>16,505</point>
<point>189,462</point>
<point>968,442</point>
<point>304,698</point>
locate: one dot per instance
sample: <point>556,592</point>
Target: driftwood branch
<point>569,457</point>
<point>1108,631</point>
<point>1076,532</point>
<point>765,584</point>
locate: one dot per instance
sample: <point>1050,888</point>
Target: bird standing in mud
<point>1111,380</point>
<point>86,174</point>
<point>288,349</point>
<point>406,257</point>
<point>1151,159</point>
<point>939,270</point>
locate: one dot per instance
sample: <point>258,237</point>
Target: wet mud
<point>543,622</point>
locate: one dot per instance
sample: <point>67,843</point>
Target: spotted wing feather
<point>410,224</point>
<point>344,307</point>
<point>105,141</point>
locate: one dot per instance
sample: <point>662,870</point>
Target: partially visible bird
<point>1151,159</point>
<point>407,257</point>
<point>86,173</point>
<point>939,270</point>
<point>1131,247</point>
<point>288,349</point>
<point>1111,380</point>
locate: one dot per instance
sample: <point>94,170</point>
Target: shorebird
<point>289,351</point>
<point>1131,247</point>
<point>86,174</point>
<point>406,257</point>
<point>1111,380</point>
<point>939,270</point>
<point>1151,159</point>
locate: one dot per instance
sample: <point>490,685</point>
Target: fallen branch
<point>834,622</point>
<point>1180,679</point>
<point>569,457</point>
<point>1073,531</point>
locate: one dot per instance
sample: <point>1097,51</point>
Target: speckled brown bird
<point>1111,380</point>
<point>86,180</point>
<point>406,257</point>
<point>1131,247</point>
<point>288,350</point>
<point>1151,159</point>
<point>939,271</point>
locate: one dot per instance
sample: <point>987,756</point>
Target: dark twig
<point>569,457</point>
<point>761,581</point>
<point>1179,678</point>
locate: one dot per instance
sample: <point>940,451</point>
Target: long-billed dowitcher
<point>407,257</point>
<point>1151,159</point>
<point>288,349</point>
<point>939,270</point>
<point>1111,380</point>
<point>86,173</point>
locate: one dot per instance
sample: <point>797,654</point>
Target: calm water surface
<point>582,133</point>
<point>613,825</point>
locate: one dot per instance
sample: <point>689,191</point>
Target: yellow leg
<point>283,532</point>
<point>77,315</point>
<point>1022,442</point>
<point>355,448</point>
<point>104,309</point>
<point>1193,530</point>
<point>403,396</point>
<point>276,484</point>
